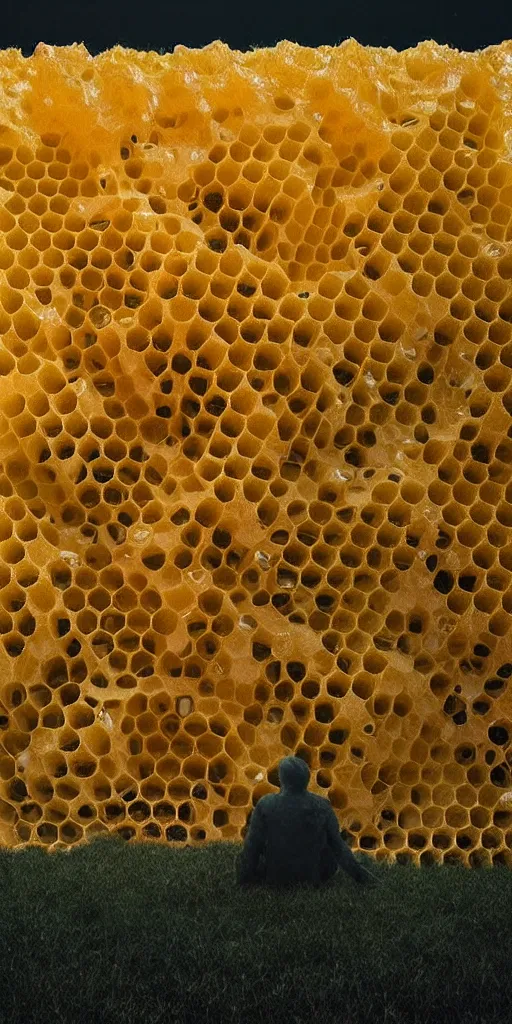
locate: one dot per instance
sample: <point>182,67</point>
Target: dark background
<point>161,24</point>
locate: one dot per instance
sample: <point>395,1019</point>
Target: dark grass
<point>146,934</point>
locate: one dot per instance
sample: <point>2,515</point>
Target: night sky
<point>161,24</point>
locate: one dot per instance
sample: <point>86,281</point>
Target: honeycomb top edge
<point>283,48</point>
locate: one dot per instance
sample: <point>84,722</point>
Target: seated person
<point>293,836</point>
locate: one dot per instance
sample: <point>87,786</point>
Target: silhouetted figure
<point>293,836</point>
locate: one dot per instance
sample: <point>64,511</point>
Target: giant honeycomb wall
<point>256,443</point>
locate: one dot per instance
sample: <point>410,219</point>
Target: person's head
<point>293,774</point>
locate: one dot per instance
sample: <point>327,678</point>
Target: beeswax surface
<point>256,442</point>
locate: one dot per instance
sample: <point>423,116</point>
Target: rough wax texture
<point>256,443</point>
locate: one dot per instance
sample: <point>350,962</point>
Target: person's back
<point>294,837</point>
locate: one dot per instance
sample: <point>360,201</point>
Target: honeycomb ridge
<point>256,443</point>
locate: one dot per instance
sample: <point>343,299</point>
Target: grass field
<point>148,935</point>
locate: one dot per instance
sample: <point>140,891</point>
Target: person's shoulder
<point>321,802</point>
<point>267,799</point>
<point>313,799</point>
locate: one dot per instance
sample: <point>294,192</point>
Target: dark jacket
<point>294,831</point>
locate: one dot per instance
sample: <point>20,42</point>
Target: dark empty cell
<point>353,457</point>
<point>391,398</point>
<point>189,407</point>
<point>181,516</point>
<point>280,600</point>
<point>345,515</point>
<point>441,338</point>
<point>272,672</point>
<point>217,244</point>
<point>166,387</point>
<point>67,451</point>
<point>117,533</point>
<point>63,626</point>
<point>245,289</point>
<point>324,601</point>
<point>164,411</point>
<point>431,562</point>
<point>383,643</point>
<point>480,707</point>
<point>181,363</point>
<point>505,671</point>
<point>498,734</point>
<point>344,666</point>
<point>27,626</point>
<point>450,704</point>
<point>329,496</point>
<point>421,433</point>
<point>280,537</point>
<point>403,644</point>
<point>216,405</point>
<point>428,414</point>
<point>480,453</point>
<point>233,558</point>
<point>367,438</point>
<point>261,472</point>
<point>73,648</point>
<point>213,201</point>
<point>138,454</point>
<point>444,540</point>
<point>296,404</point>
<point>306,538</point>
<point>95,454</point>
<point>229,221</point>
<point>124,152</point>
<point>198,385</point>
<point>425,374</point>
<point>296,670</point>
<point>371,271</point>
<point>481,650</point>
<point>303,295</point>
<point>103,474</point>
<point>14,648</point>
<point>125,519</point>
<point>415,625</point>
<point>221,538</point>
<point>113,496</point>
<point>45,454</point>
<point>342,375</point>
<point>301,337</point>
<point>493,686</point>
<point>290,471</point>
<point>443,581</point>
<point>185,429</point>
<point>260,651</point>
<point>412,541</point>
<point>282,383</point>
<point>154,562</point>
<point>467,582</point>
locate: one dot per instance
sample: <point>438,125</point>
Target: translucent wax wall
<point>256,443</point>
